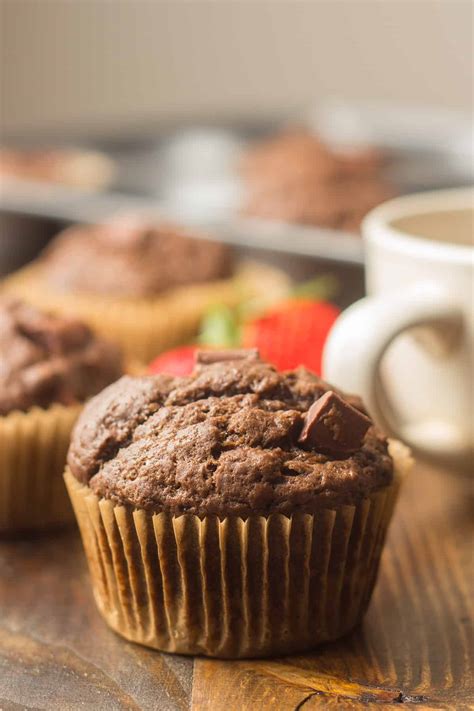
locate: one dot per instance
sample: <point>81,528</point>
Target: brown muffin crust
<point>129,258</point>
<point>339,205</point>
<point>292,155</point>
<point>46,359</point>
<point>295,177</point>
<point>223,441</point>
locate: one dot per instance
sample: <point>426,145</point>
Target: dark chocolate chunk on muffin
<point>224,441</point>
<point>46,359</point>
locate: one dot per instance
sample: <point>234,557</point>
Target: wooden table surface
<point>415,646</point>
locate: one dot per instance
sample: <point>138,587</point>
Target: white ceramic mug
<point>407,348</point>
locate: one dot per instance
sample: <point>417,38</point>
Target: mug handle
<point>363,333</point>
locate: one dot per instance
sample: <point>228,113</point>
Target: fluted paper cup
<point>232,587</point>
<point>33,448</point>
<point>144,327</point>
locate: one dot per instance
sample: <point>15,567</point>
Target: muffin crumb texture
<point>47,359</point>
<point>223,441</point>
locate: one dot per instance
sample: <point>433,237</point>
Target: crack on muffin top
<point>223,441</point>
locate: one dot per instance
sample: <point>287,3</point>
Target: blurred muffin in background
<point>295,177</point>
<point>49,366</point>
<point>88,170</point>
<point>144,286</point>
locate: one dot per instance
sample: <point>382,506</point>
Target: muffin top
<point>295,177</point>
<point>130,258</point>
<point>338,205</point>
<point>46,359</point>
<point>293,154</point>
<point>234,438</point>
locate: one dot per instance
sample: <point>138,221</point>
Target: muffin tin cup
<point>33,448</point>
<point>231,587</point>
<point>145,327</point>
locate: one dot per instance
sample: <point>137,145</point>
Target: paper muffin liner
<point>145,327</point>
<point>33,448</point>
<point>233,587</point>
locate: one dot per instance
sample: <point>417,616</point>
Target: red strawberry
<point>292,333</point>
<point>178,361</point>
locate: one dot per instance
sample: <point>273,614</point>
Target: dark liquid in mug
<point>450,226</point>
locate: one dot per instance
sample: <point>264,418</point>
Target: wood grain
<point>415,646</point>
<point>55,650</point>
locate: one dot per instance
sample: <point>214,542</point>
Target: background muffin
<point>241,524</point>
<point>295,177</point>
<point>49,366</point>
<point>129,258</point>
<point>146,287</point>
<point>70,167</point>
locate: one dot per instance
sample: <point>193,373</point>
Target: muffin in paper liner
<point>231,587</point>
<point>144,327</point>
<point>33,448</point>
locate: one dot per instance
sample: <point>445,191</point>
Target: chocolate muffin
<point>144,286</point>
<point>46,359</point>
<point>236,512</point>
<point>295,177</point>
<point>49,366</point>
<point>132,259</point>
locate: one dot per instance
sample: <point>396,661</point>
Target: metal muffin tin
<point>188,174</point>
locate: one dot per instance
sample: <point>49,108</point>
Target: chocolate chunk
<point>332,425</point>
<point>210,357</point>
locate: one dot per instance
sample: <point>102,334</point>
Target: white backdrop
<point>102,65</point>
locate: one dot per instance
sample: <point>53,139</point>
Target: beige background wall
<point>107,64</point>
